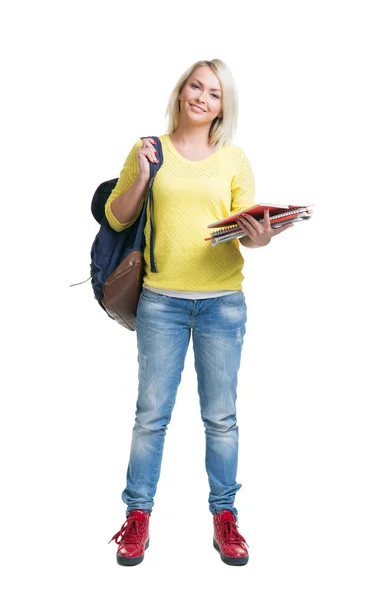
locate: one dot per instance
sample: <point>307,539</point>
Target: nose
<point>201,97</point>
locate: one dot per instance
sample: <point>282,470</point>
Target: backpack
<point>117,257</point>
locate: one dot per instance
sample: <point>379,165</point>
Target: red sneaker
<point>133,538</point>
<point>227,539</point>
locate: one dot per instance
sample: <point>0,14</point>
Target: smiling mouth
<point>198,107</point>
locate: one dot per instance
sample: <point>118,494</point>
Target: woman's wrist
<point>248,243</point>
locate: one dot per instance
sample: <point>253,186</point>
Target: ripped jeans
<point>164,326</point>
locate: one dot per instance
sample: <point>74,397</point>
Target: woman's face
<point>201,97</point>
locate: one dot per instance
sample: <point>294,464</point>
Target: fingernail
<point>156,152</point>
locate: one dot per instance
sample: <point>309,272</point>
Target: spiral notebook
<point>279,215</point>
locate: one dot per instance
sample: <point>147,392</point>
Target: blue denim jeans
<point>164,328</point>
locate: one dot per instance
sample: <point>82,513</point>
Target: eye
<point>195,85</point>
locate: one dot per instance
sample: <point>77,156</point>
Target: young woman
<point>195,292</point>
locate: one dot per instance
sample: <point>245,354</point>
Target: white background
<point>82,82</point>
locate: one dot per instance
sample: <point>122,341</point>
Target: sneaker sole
<point>230,560</point>
<point>131,562</point>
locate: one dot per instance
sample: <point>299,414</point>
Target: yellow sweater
<point>188,195</point>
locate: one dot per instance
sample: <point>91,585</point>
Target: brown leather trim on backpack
<point>122,290</point>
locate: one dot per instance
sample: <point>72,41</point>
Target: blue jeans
<point>164,327</point>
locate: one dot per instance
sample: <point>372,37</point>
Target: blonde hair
<point>222,129</point>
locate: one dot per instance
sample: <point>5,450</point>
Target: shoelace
<point>230,533</point>
<point>129,531</point>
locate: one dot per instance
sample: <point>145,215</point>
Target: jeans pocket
<point>148,295</point>
<point>235,299</point>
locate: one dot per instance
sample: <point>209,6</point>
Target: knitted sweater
<point>188,195</point>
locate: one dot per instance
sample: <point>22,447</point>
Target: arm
<point>127,206</point>
<point>243,190</point>
<point>126,199</point>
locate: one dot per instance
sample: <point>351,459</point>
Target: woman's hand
<point>260,234</point>
<point>147,154</point>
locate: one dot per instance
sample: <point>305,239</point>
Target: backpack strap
<point>154,168</point>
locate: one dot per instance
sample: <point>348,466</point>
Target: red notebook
<point>258,210</point>
<point>279,214</point>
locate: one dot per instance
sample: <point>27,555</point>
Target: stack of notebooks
<point>279,214</point>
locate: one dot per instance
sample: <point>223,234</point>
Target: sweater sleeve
<point>242,185</point>
<point>126,178</point>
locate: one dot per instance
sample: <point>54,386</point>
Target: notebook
<point>280,214</point>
